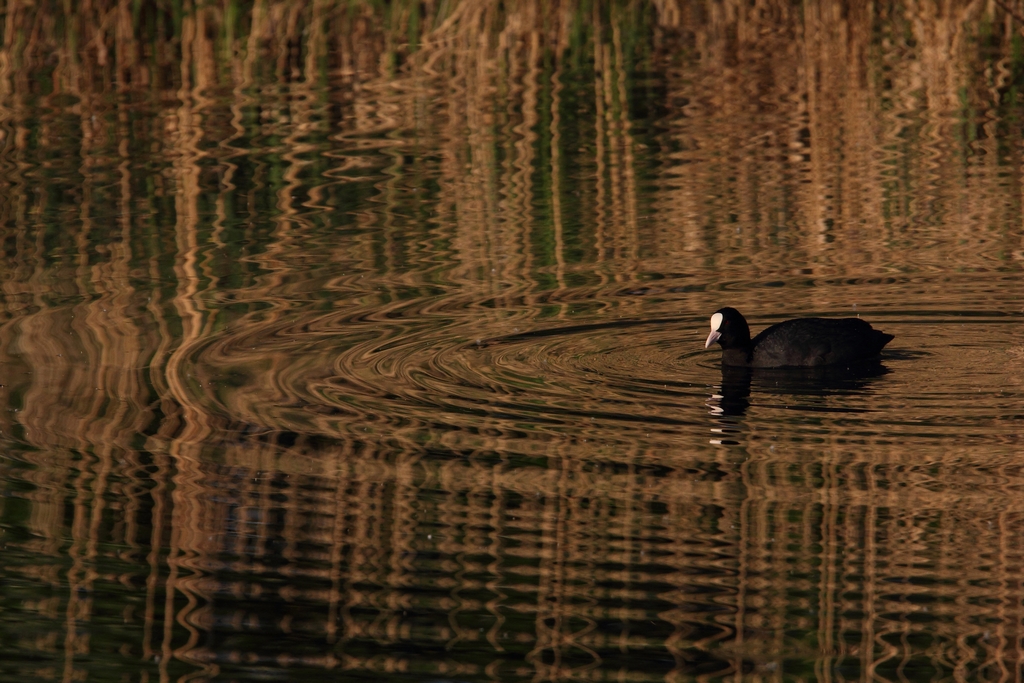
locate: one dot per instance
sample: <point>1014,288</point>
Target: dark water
<point>326,359</point>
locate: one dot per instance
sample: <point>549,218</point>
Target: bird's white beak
<point>716,324</point>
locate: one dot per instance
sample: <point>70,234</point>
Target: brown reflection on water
<point>326,350</point>
<point>898,175</point>
<point>852,558</point>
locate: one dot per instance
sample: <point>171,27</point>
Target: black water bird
<point>803,342</point>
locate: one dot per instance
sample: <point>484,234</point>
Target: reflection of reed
<point>829,91</point>
<point>820,540</point>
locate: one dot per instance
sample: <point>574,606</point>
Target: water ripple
<point>434,361</point>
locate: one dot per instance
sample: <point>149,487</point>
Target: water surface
<point>350,343</point>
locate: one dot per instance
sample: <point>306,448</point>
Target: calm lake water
<point>351,343</point>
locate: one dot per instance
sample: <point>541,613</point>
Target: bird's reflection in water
<point>802,387</point>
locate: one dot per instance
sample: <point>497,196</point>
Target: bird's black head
<point>728,328</point>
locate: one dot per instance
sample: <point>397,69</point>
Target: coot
<point>801,342</point>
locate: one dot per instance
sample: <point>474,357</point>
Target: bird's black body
<point>804,342</point>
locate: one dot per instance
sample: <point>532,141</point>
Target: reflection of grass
<point>294,79</point>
